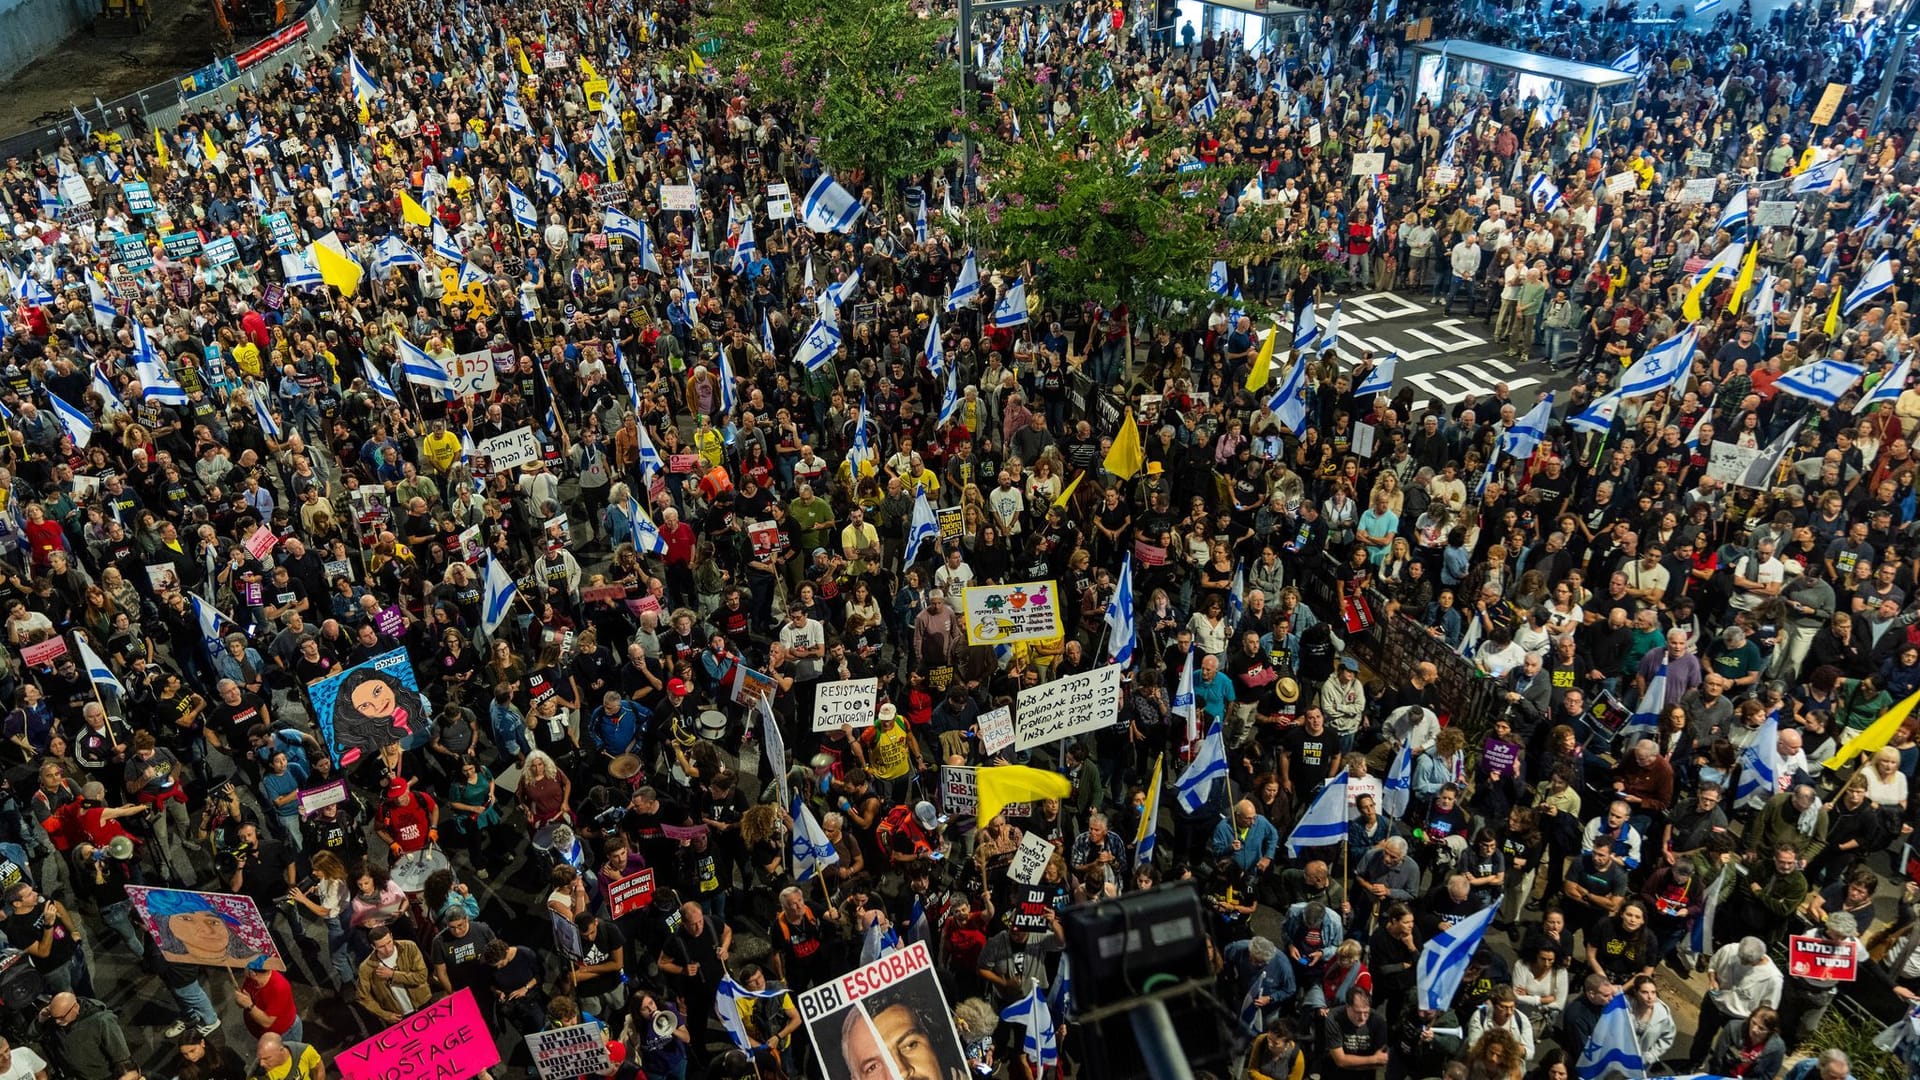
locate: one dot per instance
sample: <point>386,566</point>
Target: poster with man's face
<point>887,1020</point>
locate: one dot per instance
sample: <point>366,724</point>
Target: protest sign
<point>630,893</point>
<point>850,702</point>
<point>779,202</point>
<point>679,197</point>
<point>45,652</point>
<point>259,542</point>
<point>315,799</point>
<point>561,1053</point>
<point>1369,164</point>
<point>445,1040</point>
<point>215,929</point>
<point>1067,707</point>
<point>749,686</point>
<point>999,614</point>
<point>509,451</point>
<point>369,706</point>
<point>950,520</point>
<point>1730,461</point>
<point>139,197</point>
<point>1830,99</point>
<point>181,245</point>
<point>1699,190</point>
<point>1774,212</point>
<point>1030,860</point>
<point>960,793</point>
<point>1700,159</point>
<point>1810,956</point>
<point>896,1001</point>
<point>222,250</point>
<point>472,373</point>
<point>996,729</point>
<point>1030,907</point>
<point>1622,182</point>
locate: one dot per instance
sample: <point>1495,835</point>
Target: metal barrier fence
<point>163,103</point>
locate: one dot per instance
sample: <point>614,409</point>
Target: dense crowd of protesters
<point>227,483</point>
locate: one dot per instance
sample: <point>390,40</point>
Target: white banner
<point>996,730</point>
<point>849,702</point>
<point>999,614</point>
<point>1030,862</point>
<point>1775,212</point>
<point>472,373</point>
<point>1067,707</point>
<point>1699,190</point>
<point>564,1053</point>
<point>510,451</point>
<point>679,197</point>
<point>1729,461</point>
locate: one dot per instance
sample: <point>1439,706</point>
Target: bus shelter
<point>1263,26</point>
<point>1442,67</point>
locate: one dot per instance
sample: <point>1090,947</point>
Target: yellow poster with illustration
<point>998,614</point>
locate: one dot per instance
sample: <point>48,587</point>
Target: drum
<point>624,767</point>
<point>543,837</point>
<point>411,871</point>
<point>713,724</point>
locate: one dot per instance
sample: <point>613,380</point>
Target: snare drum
<point>411,872</point>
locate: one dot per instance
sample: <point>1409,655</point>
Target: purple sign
<point>391,621</point>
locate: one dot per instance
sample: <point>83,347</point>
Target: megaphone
<point>663,1024</point>
<point>120,847</point>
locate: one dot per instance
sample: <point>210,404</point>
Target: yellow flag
<point>1150,814</point>
<point>1262,369</point>
<point>212,148</point>
<point>998,785</point>
<point>413,213</point>
<point>1067,492</point>
<point>586,68</point>
<point>1832,325</point>
<point>336,269</point>
<point>1745,281</point>
<point>1806,159</point>
<point>1690,307</point>
<point>160,147</point>
<point>1877,735</point>
<point>1126,456</point>
<point>694,63</point>
<point>526,68</point>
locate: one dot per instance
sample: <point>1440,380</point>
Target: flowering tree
<point>874,81</point>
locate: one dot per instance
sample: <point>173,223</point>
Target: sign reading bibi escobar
<point>887,1018</point>
<point>1066,707</point>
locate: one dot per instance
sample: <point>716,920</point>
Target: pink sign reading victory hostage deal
<point>446,1040</point>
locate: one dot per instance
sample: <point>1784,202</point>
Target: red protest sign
<point>45,652</point>
<point>630,893</point>
<point>1817,958</point>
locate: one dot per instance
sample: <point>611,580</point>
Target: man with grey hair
<point>1740,979</point>
<point>1832,1064</point>
<point>1266,973</point>
<point>1099,848</point>
<point>1385,875</point>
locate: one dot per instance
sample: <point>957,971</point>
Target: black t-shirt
<point>685,947</point>
<point>1356,1039</point>
<point>1310,758</point>
<point>462,955</point>
<point>607,940</point>
<point>25,930</point>
<point>264,878</point>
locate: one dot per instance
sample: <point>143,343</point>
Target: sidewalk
<point>109,63</point>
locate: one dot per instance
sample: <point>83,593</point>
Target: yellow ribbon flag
<point>1262,369</point>
<point>1149,814</point>
<point>1126,456</point>
<point>694,63</point>
<point>586,68</point>
<point>526,67</point>
<point>1745,281</point>
<point>413,213</point>
<point>1832,325</point>
<point>160,147</point>
<point>1067,492</point>
<point>998,785</point>
<point>1877,735</point>
<point>336,269</point>
<point>212,148</point>
<point>1690,307</point>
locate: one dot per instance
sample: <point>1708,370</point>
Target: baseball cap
<point>1350,663</point>
<point>927,816</point>
<point>677,687</point>
<point>396,788</point>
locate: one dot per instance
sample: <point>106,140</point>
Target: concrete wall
<point>29,28</point>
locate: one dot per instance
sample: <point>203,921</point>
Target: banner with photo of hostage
<point>887,1019</point>
<point>214,929</point>
<point>371,705</point>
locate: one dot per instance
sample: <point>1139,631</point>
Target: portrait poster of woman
<point>214,929</point>
<point>369,706</point>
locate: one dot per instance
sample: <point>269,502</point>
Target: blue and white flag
<point>1397,790</point>
<point>766,335</point>
<point>523,209</point>
<point>1646,715</point>
<point>378,382</point>
<point>1627,62</point>
<point>392,253</point>
<point>444,246</point>
<point>1039,1045</point>
<point>28,290</point>
<point>812,851</point>
<point>822,341</point>
<point>97,670</point>
<point>1818,178</point>
<point>1889,388</point>
<point>156,384</point>
<point>1760,763</point>
<point>744,247</point>
<point>1012,308</point>
<point>729,392</point>
<point>1208,769</point>
<point>1876,282</point>
<point>950,400</point>
<point>1324,824</point>
<point>936,349</point>
<point>1822,382</point>
<point>1379,380</point>
<point>646,535</point>
<point>1613,1047</point>
<point>209,619</point>
<point>1736,214</point>
<point>829,207</point>
<point>1289,403</point>
<point>1217,277</point>
<point>1119,617</point>
<point>1604,249</point>
<point>516,115</point>
<point>498,598</point>
<point>923,527</point>
<point>1528,432</point>
<point>548,172</point>
<point>1443,960</point>
<point>103,386</point>
<point>1544,193</point>
<point>1207,106</point>
<point>365,87</point>
<point>420,367</point>
<point>1597,418</point>
<point>966,288</point>
<point>1306,328</point>
<point>72,419</point>
<point>263,414</point>
<point>1182,703</point>
<point>1660,366</point>
<point>1330,330</point>
<point>726,1006</point>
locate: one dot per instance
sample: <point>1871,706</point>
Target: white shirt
<point>26,1064</point>
<point>953,578</point>
<point>809,635</point>
<point>1771,572</point>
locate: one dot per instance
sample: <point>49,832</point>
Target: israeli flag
<point>1526,434</point>
<point>392,253</point>
<point>1544,193</point>
<point>766,335</point>
<point>1119,617</point>
<point>104,313</point>
<point>157,385</point>
<point>498,600</point>
<point>1646,716</point>
<point>1877,281</point>
<point>923,528</point>
<point>364,85</point>
<point>1613,1047</point>
<point>1306,328</point>
<point>1818,178</point>
<point>812,851</point>
<point>261,413</point>
<point>471,274</point>
<point>516,115</point>
<point>1209,104</point>
<point>49,202</point>
<point>421,368</point>
<point>1597,418</point>
<point>30,291</point>
<point>1660,366</point>
<point>837,294</point>
<point>549,174</point>
<point>1325,822</point>
<point>1217,277</point>
<point>729,393</point>
<point>72,419</point>
<point>935,348</point>
<point>1380,379</point>
<point>1627,62</point>
<point>966,288</point>
<point>1012,308</point>
<point>97,670</point>
<point>1182,703</point>
<point>1331,331</point>
<point>523,211</point>
<point>818,347</point>
<point>1736,215</point>
<point>646,535</point>
<point>1289,404</point>
<point>209,620</point>
<point>950,401</point>
<point>104,387</point>
<point>444,246</point>
<point>618,224</point>
<point>920,222</point>
<point>1039,1044</point>
<point>1397,790</point>
<point>829,207</point>
<point>1889,388</point>
<point>726,1006</point>
<point>1209,767</point>
<point>1443,960</point>
<point>1822,382</point>
<point>744,247</point>
<point>1760,763</point>
<point>1605,249</point>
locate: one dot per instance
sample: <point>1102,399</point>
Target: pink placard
<point>46,652</point>
<point>683,832</point>
<point>261,541</point>
<point>445,1038</point>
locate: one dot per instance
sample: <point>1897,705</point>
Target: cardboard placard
<point>960,792</point>
<point>1001,614</point>
<point>630,893</point>
<point>315,799</point>
<point>1030,910</point>
<point>848,702</point>
<point>139,197</point>
<point>1775,212</point>
<point>1369,164</point>
<point>242,935</point>
<point>580,1050</point>
<point>472,373</point>
<point>779,202</point>
<point>1830,100</point>
<point>1149,554</point>
<point>908,980</point>
<point>181,245</point>
<point>679,197</point>
<point>444,1038</point>
<point>221,250</point>
<point>1728,462</point>
<point>1700,189</point>
<point>1030,862</point>
<point>1622,182</point>
<point>1699,159</point>
<point>44,653</point>
<point>511,450</point>
<point>598,594</point>
<point>1813,957</point>
<point>260,541</point>
<point>1067,707</point>
<point>682,463</point>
